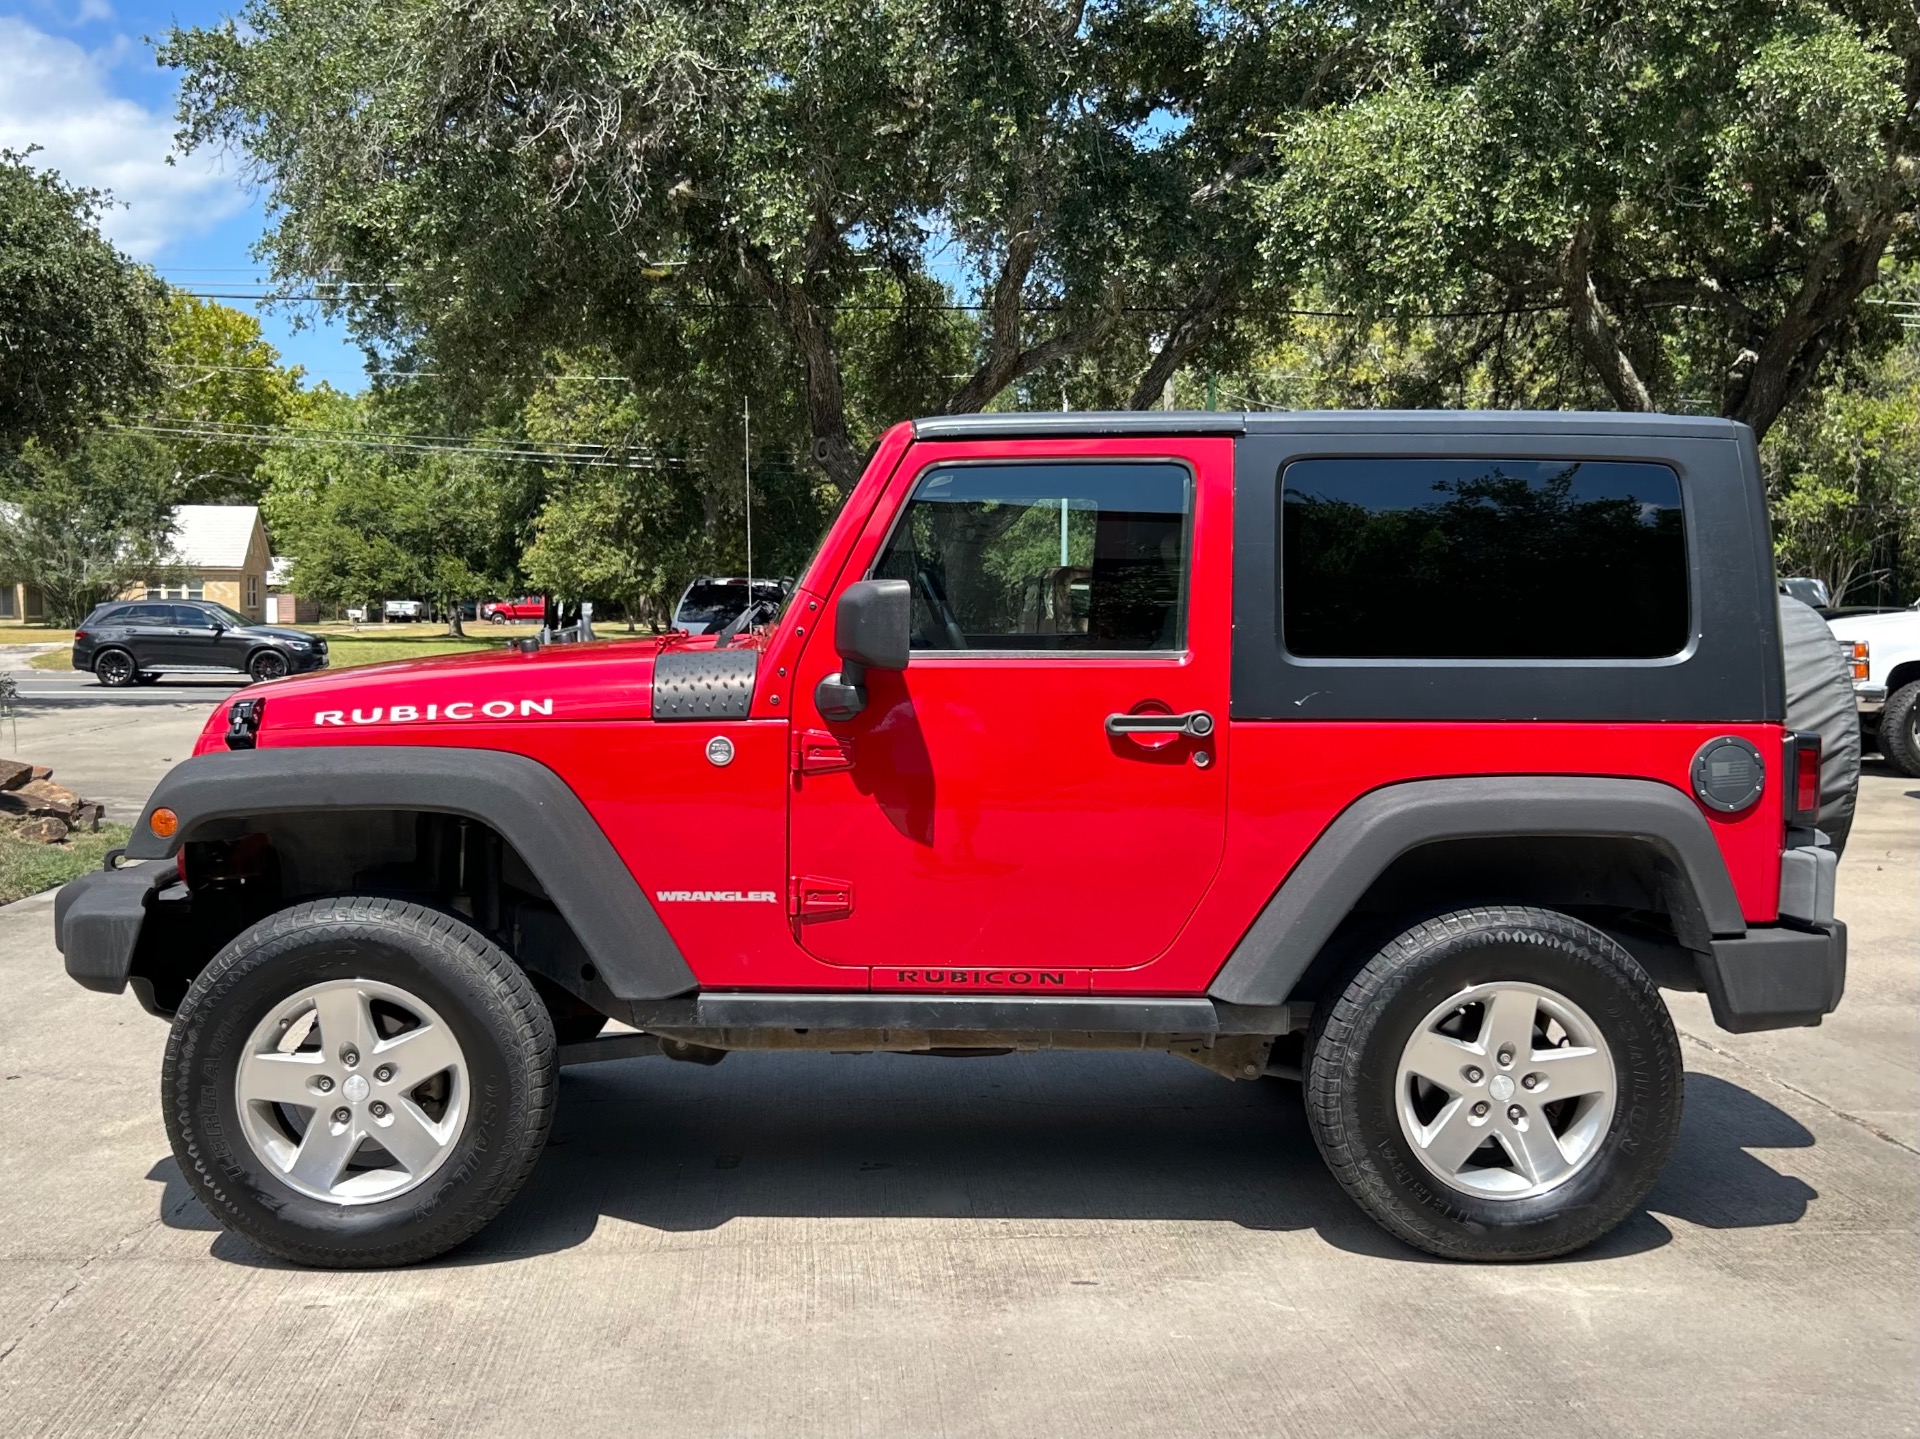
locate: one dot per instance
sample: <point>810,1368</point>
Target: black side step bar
<point>1000,1014</point>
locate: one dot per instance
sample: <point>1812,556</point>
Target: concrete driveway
<point>1032,1246</point>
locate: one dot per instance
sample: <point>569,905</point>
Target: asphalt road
<point>1029,1246</point>
<point>110,745</point>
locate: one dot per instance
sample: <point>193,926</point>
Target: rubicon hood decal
<point>456,710</point>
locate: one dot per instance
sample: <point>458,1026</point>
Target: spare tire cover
<point>1820,699</point>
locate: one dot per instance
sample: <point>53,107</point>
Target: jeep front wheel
<point>1496,1084</point>
<point>359,1082</point>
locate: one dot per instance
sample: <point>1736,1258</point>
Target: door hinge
<point>813,896</point>
<point>817,752</point>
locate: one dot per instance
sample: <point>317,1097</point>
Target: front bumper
<point>97,921</point>
<point>1869,699</point>
<point>1776,977</point>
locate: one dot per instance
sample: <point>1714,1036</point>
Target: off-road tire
<point>1899,741</point>
<point>1354,1049</point>
<point>115,668</point>
<point>486,999</point>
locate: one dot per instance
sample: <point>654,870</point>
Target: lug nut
<point>1480,1110</point>
<point>385,1072</point>
<point>1516,1113</point>
<point>1506,1056</point>
<point>1532,1081</point>
<point>379,1110</point>
<point>1473,1074</point>
<point>323,1084</point>
<point>342,1116</point>
<point>349,1056</point>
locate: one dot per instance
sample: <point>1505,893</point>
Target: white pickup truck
<point>1885,651</point>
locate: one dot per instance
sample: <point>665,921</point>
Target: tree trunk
<point>1591,331</point>
<point>454,626</point>
<point>1772,377</point>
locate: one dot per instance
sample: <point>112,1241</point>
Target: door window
<point>188,617</point>
<point>1087,556</point>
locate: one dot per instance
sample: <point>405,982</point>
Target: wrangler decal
<point>716,896</point>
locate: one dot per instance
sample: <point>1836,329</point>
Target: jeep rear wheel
<point>359,1082</point>
<point>1496,1084</point>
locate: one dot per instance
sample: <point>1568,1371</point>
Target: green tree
<point>735,191</point>
<point>1660,204</point>
<point>79,321</point>
<point>224,393</point>
<point>365,520</point>
<point>1843,479</point>
<point>86,524</point>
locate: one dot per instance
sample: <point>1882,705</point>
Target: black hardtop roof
<point>1029,425</point>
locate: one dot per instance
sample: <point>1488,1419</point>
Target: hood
<point>1901,624</point>
<point>384,703</point>
<point>281,632</point>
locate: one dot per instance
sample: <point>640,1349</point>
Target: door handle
<point>1197,723</point>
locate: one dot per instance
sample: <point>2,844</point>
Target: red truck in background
<point>506,612</point>
<point>1405,755</point>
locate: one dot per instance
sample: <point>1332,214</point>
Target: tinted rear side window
<point>1402,558</point>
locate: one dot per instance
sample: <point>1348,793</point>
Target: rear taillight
<point>79,635</point>
<point>1803,766</point>
<point>1856,657</point>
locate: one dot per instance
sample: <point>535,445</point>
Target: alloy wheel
<point>267,665</point>
<point>114,668</point>
<point>352,1091</point>
<point>1506,1090</point>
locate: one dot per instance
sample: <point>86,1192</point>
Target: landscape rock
<point>88,817</point>
<point>40,771</point>
<point>45,830</point>
<point>41,797</point>
<point>13,774</point>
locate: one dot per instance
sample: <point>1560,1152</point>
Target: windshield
<point>711,604</point>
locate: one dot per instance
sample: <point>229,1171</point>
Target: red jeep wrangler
<point>1402,754</point>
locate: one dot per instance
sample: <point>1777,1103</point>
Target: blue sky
<point>78,79</point>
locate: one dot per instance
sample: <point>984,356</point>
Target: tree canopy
<point>78,320</point>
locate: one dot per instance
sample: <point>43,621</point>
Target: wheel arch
<point>603,934</point>
<point>1619,847</point>
<point>1903,674</point>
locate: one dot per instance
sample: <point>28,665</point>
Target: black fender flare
<point>1383,824</point>
<point>528,804</point>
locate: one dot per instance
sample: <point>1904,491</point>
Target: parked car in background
<point>404,610</point>
<point>506,612</point>
<point>1884,649</point>
<point>712,602</point>
<point>137,641</point>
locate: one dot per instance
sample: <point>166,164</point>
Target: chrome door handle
<point>1197,723</point>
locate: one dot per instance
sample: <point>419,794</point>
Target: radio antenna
<point>746,462</point>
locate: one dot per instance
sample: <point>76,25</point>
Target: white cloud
<point>56,95</point>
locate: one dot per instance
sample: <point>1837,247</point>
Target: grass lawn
<point>346,647</point>
<point>29,868</point>
<point>33,635</point>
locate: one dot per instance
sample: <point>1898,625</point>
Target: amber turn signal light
<point>163,822</point>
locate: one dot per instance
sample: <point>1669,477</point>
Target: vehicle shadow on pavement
<point>1056,1137</point>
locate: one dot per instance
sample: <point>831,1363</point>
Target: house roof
<point>214,537</point>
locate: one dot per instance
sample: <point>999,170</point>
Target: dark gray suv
<point>136,641</point>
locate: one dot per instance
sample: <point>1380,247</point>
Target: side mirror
<point>872,630</point>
